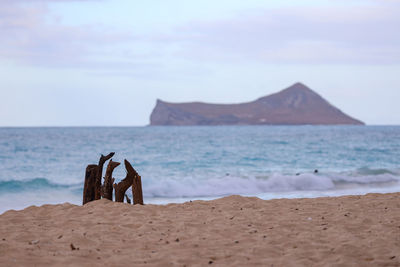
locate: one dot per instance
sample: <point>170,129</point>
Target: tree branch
<point>102,160</point>
<point>122,186</point>
<point>137,184</point>
<point>89,186</point>
<point>107,188</point>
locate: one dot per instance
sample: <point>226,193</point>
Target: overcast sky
<point>105,62</point>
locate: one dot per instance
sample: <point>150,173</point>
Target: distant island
<point>295,105</point>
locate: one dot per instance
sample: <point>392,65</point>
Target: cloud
<point>337,34</point>
<point>43,1</point>
<point>29,33</point>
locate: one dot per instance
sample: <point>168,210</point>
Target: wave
<point>205,186</point>
<point>368,171</point>
<point>13,186</point>
<point>235,185</point>
<point>227,185</point>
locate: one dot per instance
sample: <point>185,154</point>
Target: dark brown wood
<point>128,200</point>
<point>107,188</point>
<point>137,190</point>
<point>102,160</point>
<point>90,181</point>
<point>122,186</point>
<point>136,186</point>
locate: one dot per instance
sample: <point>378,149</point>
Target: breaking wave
<point>176,187</point>
<point>14,186</point>
<point>227,185</point>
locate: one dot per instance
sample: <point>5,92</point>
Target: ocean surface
<point>47,165</point>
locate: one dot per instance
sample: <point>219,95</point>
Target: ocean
<point>47,165</point>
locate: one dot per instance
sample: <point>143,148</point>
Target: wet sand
<point>232,231</point>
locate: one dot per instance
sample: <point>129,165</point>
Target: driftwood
<point>128,200</point>
<point>122,186</point>
<point>102,160</point>
<point>107,189</point>
<point>90,183</point>
<point>136,185</point>
<point>93,189</point>
<point>137,190</point>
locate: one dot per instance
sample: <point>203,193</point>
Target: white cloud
<point>337,34</point>
<point>346,35</point>
<point>29,33</point>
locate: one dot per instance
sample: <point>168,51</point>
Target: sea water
<point>47,165</point>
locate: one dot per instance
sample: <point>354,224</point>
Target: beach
<point>230,231</point>
<point>244,133</point>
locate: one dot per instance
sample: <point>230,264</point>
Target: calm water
<point>47,165</point>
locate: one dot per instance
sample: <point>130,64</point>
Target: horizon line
<point>183,126</point>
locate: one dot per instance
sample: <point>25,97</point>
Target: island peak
<point>295,105</point>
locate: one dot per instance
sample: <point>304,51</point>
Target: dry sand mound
<point>232,231</point>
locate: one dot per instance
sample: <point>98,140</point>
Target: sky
<point>105,62</point>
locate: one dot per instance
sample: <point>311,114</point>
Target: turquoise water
<point>47,165</point>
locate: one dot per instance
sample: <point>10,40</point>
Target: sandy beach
<point>231,231</point>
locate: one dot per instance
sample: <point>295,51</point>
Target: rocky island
<point>295,105</point>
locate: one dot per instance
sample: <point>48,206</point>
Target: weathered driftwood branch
<point>107,188</point>
<point>136,186</point>
<point>93,189</point>
<point>128,200</point>
<point>137,190</point>
<point>90,181</point>
<point>122,186</point>
<point>102,160</point>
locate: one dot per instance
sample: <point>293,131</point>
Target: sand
<point>232,231</point>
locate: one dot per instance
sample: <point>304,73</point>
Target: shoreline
<point>77,199</point>
<point>234,230</point>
